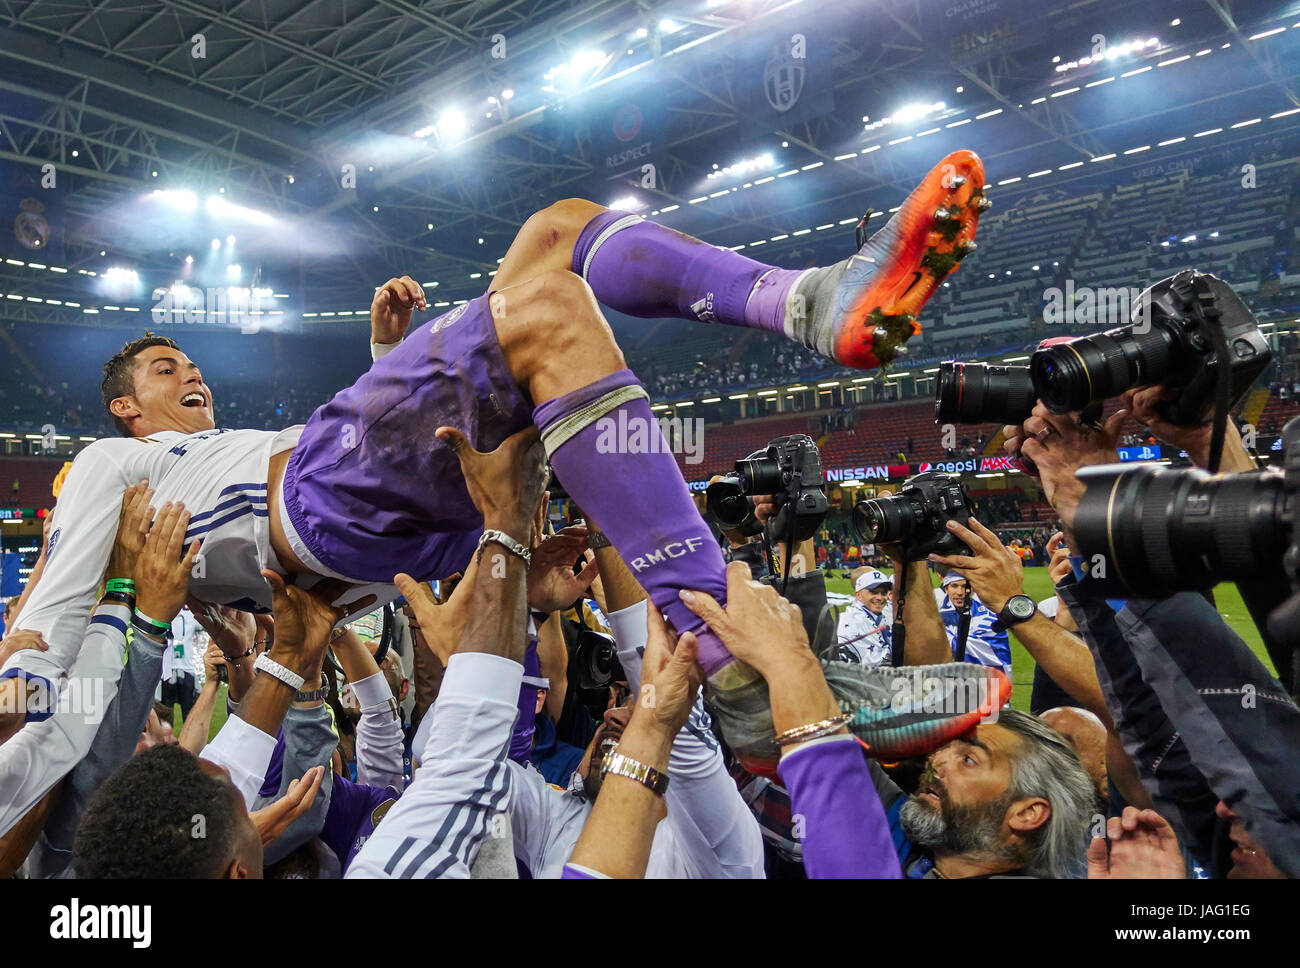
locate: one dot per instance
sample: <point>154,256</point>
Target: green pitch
<point>1039,586</point>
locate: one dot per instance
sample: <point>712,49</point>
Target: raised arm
<point>616,839</point>
<point>845,832</point>
<point>379,731</point>
<point>437,827</point>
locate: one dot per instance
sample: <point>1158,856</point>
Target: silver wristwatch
<point>507,542</point>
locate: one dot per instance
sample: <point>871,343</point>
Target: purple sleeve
<point>845,831</point>
<point>351,815</point>
<point>572,873</point>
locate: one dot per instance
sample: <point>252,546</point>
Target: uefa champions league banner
<point>974,31</point>
<point>629,138</point>
<point>784,77</point>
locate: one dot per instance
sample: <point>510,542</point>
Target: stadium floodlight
<point>587,60</point>
<point>627,203</point>
<point>670,26</point>
<point>761,162</point>
<point>221,208</point>
<point>230,240</point>
<point>507,94</point>
<point>425,131</point>
<point>189,260</point>
<point>234,271</point>
<point>451,123</point>
<point>118,275</point>
<point>216,244</point>
<point>184,200</point>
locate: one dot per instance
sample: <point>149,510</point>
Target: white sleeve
<point>84,529</point>
<point>379,350</point>
<point>246,752</point>
<point>544,822</point>
<point>436,828</point>
<point>716,833</point>
<point>379,734</point>
<point>40,754</point>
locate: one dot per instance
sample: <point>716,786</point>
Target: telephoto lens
<point>1188,332</point>
<point>1069,376</point>
<point>976,393</point>
<point>917,516</point>
<point>1149,531</point>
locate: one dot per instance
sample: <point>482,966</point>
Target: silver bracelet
<point>273,669</point>
<point>505,541</point>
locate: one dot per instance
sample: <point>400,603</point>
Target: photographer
<point>1182,687</point>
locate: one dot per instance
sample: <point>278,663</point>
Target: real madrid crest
<point>30,227</point>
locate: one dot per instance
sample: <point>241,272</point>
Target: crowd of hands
<point>757,625</point>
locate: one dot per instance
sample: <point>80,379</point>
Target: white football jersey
<point>219,475</point>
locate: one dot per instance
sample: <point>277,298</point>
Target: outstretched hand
<point>132,529</point>
<point>1059,446</point>
<point>390,310</point>
<point>162,575</point>
<point>758,626</point>
<point>303,620</point>
<point>505,484</point>
<point>274,819</point>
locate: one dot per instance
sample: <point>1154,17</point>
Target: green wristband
<point>125,585</point>
<point>146,624</point>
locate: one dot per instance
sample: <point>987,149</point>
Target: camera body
<point>917,516</point>
<point>790,469</point>
<point>1187,329</point>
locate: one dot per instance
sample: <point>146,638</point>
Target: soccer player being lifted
<point>371,485</point>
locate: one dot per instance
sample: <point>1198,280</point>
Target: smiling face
<point>957,592</point>
<point>875,598</point>
<point>165,391</point>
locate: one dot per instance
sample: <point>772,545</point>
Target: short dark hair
<point>119,373</point>
<point>159,816</point>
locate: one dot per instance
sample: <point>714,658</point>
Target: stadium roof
<point>269,104</point>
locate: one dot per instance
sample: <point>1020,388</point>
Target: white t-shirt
<point>865,637</point>
<point>181,652</point>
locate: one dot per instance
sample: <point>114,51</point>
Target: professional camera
<point>976,393</point>
<point>790,469</point>
<point>1149,531</point>
<point>1186,330</point>
<point>917,516</point>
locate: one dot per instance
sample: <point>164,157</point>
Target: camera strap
<point>1208,313</point>
<point>898,637</point>
<point>963,629</point>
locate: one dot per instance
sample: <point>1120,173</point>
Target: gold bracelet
<point>825,727</point>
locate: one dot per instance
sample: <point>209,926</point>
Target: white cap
<point>951,577</point>
<point>872,579</point>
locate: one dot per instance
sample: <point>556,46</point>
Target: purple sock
<point>618,468</point>
<point>643,269</point>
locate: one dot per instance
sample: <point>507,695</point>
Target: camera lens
<point>975,393</point>
<point>727,502</point>
<point>1150,531</point>
<point>1069,376</point>
<point>762,475</point>
<point>884,519</point>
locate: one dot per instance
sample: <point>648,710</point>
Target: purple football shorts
<point>369,489</point>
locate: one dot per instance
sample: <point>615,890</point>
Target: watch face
<point>1021,606</point>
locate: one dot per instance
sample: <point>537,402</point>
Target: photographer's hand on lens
<point>1142,402</point>
<point>765,507</point>
<point>1058,446</point>
<point>995,571</point>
